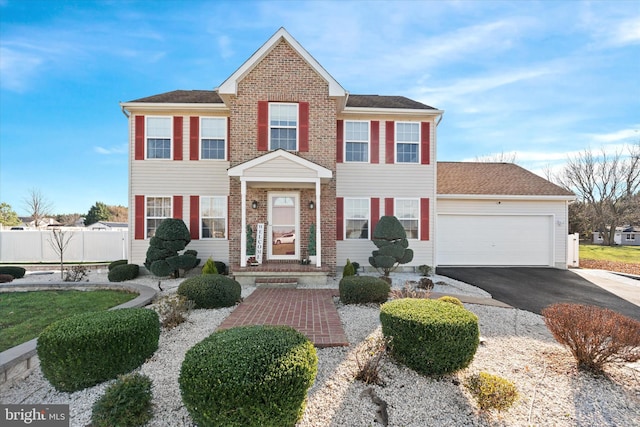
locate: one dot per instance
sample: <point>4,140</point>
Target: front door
<point>283,229</point>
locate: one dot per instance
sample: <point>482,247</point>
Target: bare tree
<point>608,185</point>
<point>59,242</point>
<point>37,205</point>
<point>501,157</point>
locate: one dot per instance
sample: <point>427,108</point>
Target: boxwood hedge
<point>211,291</point>
<point>248,376</point>
<point>117,263</point>
<point>16,272</point>
<point>89,348</point>
<point>429,336</point>
<point>363,289</point>
<point>123,272</point>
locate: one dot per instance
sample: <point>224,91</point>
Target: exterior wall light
<point>312,205</point>
<point>254,204</point>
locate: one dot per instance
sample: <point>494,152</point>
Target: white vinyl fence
<point>573,250</point>
<point>33,246</point>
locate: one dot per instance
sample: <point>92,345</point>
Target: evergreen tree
<point>8,216</point>
<point>97,212</point>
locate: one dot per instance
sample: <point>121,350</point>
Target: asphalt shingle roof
<point>381,101</point>
<point>493,178</point>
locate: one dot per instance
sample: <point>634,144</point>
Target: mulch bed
<point>619,267</point>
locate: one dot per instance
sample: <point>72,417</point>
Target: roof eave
<point>507,197</point>
<point>392,111</point>
<point>173,106</point>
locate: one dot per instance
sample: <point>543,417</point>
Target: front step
<point>276,282</point>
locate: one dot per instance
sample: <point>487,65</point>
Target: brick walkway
<point>310,311</point>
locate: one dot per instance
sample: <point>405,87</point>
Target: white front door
<point>283,230</point>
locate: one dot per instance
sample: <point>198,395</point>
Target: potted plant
<point>311,246</point>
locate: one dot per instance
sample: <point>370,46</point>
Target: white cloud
<point>224,46</point>
<point>122,149</point>
<point>620,135</point>
<point>17,68</point>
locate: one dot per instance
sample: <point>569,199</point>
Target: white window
<point>356,218</point>
<point>283,126</point>
<point>408,213</point>
<point>356,140</point>
<point>213,217</point>
<point>630,237</point>
<point>158,208</point>
<point>407,142</point>
<point>213,137</point>
<point>158,137</point>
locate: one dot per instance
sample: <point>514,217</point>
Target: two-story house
<point>281,149</point>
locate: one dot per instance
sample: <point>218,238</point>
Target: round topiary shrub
<point>363,290</point>
<point>121,273</point>
<point>211,291</point>
<point>429,336</point>
<point>117,263</point>
<point>16,272</point>
<point>127,402</point>
<point>248,376</point>
<point>89,348</point>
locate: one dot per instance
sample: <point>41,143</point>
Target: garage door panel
<point>494,240</point>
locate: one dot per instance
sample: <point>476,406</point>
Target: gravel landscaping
<point>516,346</point>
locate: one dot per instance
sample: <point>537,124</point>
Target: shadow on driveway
<point>533,289</point>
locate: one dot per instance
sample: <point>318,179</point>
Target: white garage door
<point>495,240</point>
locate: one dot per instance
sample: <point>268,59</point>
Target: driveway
<point>533,289</point>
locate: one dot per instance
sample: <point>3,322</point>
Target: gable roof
<point>490,179</point>
<point>318,171</point>
<point>184,97</point>
<point>230,86</point>
<point>380,101</point>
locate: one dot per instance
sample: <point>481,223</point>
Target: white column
<point>318,226</point>
<point>243,229</point>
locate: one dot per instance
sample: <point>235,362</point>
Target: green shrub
<point>117,263</point>
<point>221,267</point>
<point>425,269</point>
<point>127,402</point>
<point>6,278</point>
<point>595,336</point>
<point>348,269</point>
<point>363,290</point>
<point>16,272</point>
<point>211,291</point>
<point>89,348</point>
<point>209,267</point>
<point>248,376</point>
<point>121,273</point>
<point>429,336</point>
<point>356,266</point>
<point>491,391</point>
<point>451,300</point>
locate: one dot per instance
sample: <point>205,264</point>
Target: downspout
<point>125,112</point>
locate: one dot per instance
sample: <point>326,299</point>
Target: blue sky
<point>543,79</point>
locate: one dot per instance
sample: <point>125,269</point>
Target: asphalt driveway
<point>533,289</point>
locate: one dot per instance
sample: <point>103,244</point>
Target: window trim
<point>146,137</point>
<point>297,127</point>
<point>417,143</point>
<point>224,138</point>
<point>226,217</point>
<point>417,219</point>
<point>630,237</point>
<point>345,141</point>
<point>146,212</point>
<point>347,218</point>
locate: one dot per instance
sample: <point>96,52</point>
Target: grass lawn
<point>23,315</point>
<point>630,254</point>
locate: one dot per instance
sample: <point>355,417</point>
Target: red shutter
<point>177,207</point>
<point>303,114</point>
<point>177,137</point>
<point>226,153</point>
<point>139,217</point>
<point>375,214</point>
<point>424,219</point>
<point>194,217</point>
<point>425,138</point>
<point>375,142</point>
<point>263,125</point>
<point>389,138</point>
<point>139,138</point>
<point>388,206</point>
<point>339,218</point>
<point>227,218</point>
<point>340,141</point>
<point>194,138</point>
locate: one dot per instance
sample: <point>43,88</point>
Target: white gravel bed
<point>517,346</point>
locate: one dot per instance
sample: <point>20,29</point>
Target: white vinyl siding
<point>213,138</point>
<point>158,137</point>
<point>213,217</point>
<point>356,141</point>
<point>283,126</point>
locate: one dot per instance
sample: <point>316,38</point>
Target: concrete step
<point>276,282</point>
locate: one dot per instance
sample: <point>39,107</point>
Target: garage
<point>491,240</point>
